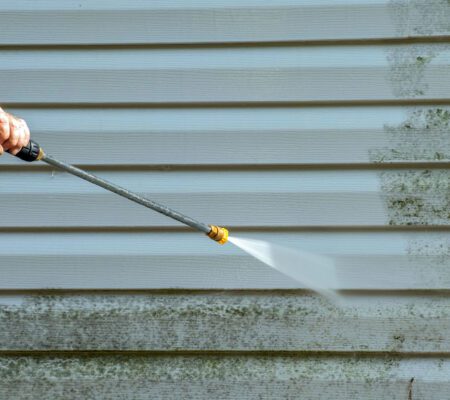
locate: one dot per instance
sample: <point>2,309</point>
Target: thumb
<point>1,150</point>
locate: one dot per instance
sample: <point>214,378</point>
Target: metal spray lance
<point>34,152</point>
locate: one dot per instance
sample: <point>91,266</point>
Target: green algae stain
<point>417,197</point>
<point>199,377</point>
<point>423,136</point>
<point>157,322</point>
<point>421,18</point>
<point>433,251</point>
<point>157,368</point>
<point>407,67</point>
<point>436,247</point>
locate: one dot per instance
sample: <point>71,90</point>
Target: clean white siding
<point>214,21</point>
<point>322,125</point>
<point>261,75</point>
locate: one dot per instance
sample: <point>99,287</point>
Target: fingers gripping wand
<point>34,152</point>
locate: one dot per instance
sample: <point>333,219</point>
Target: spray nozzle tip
<point>218,234</point>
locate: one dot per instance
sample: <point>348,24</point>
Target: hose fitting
<point>218,234</point>
<point>31,152</point>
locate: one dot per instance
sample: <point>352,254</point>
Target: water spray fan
<point>34,152</point>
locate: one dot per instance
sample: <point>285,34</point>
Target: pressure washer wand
<point>34,152</point>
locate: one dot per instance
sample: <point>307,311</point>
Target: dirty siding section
<point>314,124</point>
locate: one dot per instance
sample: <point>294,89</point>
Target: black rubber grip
<point>30,152</point>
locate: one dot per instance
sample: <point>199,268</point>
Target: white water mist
<point>313,271</point>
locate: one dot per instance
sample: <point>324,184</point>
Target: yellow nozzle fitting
<point>218,234</point>
<point>40,155</point>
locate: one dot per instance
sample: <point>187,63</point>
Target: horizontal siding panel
<point>197,21</point>
<point>293,198</point>
<point>240,136</point>
<point>195,377</point>
<point>227,322</point>
<point>227,75</point>
<point>161,260</point>
<point>234,198</point>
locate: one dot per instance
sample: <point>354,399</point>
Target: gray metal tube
<point>126,193</point>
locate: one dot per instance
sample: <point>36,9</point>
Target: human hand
<point>14,133</point>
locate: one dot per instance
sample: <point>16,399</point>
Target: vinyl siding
<point>261,75</point>
<point>214,21</point>
<point>321,125</point>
